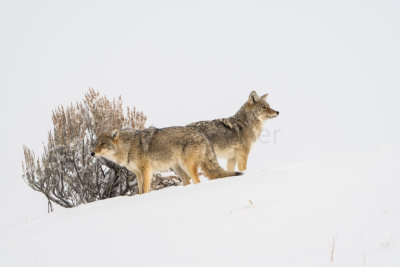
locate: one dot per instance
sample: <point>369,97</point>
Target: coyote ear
<point>264,96</point>
<point>115,134</point>
<point>253,98</point>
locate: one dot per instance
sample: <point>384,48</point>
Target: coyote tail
<point>213,170</point>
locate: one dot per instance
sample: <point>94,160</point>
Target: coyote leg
<point>231,164</point>
<point>147,176</point>
<point>242,162</point>
<point>193,171</point>
<point>139,178</point>
<point>182,175</point>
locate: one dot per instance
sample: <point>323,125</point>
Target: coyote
<point>151,150</point>
<point>233,137</point>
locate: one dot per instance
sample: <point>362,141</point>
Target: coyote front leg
<point>242,161</point>
<point>139,178</point>
<point>231,164</point>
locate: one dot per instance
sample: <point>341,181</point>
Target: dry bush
<point>161,181</point>
<point>66,173</point>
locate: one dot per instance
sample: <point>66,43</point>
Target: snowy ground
<point>278,216</point>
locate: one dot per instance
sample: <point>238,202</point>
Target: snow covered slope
<point>338,211</point>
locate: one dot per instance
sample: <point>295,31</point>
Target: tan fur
<point>233,137</point>
<point>153,150</point>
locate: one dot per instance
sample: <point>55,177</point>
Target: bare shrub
<point>66,173</point>
<point>161,181</point>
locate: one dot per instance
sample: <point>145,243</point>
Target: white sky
<point>331,69</point>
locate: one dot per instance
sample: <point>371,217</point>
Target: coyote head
<point>106,145</point>
<point>259,108</point>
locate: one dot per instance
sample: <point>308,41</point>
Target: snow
<point>281,215</point>
<point>330,67</point>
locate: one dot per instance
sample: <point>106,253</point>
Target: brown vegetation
<point>66,173</point>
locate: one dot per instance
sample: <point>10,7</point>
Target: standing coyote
<point>146,151</point>
<point>233,137</point>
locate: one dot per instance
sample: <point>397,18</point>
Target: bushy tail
<point>213,170</point>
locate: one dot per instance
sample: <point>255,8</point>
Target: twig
<point>333,246</point>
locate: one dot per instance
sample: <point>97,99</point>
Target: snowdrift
<point>338,211</point>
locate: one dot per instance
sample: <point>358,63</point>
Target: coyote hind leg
<point>193,171</point>
<point>182,175</point>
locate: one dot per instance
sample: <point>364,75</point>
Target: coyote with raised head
<point>233,137</point>
<point>153,150</point>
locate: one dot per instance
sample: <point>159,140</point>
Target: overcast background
<point>331,69</point>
